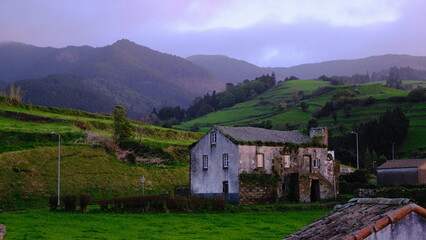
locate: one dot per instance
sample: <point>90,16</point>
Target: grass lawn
<point>43,224</point>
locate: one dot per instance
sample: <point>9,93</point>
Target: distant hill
<point>123,73</point>
<point>232,70</point>
<point>228,70</point>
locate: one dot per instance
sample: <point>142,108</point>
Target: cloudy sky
<point>263,32</point>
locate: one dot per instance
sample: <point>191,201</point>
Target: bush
<point>70,202</point>
<point>163,203</point>
<point>417,194</point>
<point>359,176</point>
<point>84,201</point>
<point>53,203</point>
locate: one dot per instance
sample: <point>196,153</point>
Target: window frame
<point>205,162</point>
<point>225,161</point>
<point>287,161</point>
<point>213,138</point>
<point>262,160</point>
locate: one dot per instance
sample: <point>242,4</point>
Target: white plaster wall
<point>210,181</point>
<point>412,227</point>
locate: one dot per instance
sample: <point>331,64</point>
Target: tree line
<point>201,106</point>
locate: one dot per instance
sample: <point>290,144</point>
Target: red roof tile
<point>358,219</point>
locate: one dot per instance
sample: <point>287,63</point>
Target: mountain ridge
<point>347,67</point>
<point>158,79</point>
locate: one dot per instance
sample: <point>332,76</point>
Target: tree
<point>334,115</point>
<point>312,123</point>
<point>122,128</point>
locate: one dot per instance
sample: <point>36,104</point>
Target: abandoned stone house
<point>253,165</point>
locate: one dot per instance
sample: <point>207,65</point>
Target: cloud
<point>237,14</point>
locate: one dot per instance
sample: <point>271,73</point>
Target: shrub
<point>417,194</point>
<point>70,202</point>
<point>163,203</point>
<point>53,203</point>
<point>84,201</point>
<point>359,176</point>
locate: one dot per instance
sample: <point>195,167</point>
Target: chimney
<point>322,132</point>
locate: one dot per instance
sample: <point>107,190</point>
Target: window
<point>213,138</point>
<point>316,163</point>
<point>225,160</point>
<point>260,161</point>
<point>308,163</point>
<point>287,161</point>
<point>205,162</point>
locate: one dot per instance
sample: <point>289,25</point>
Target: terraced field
<point>28,156</point>
<point>254,111</point>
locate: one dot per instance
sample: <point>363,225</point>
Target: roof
<point>404,163</point>
<point>251,134</point>
<point>359,218</point>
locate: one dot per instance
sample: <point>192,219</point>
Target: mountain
<point>123,73</point>
<point>232,70</point>
<point>226,69</point>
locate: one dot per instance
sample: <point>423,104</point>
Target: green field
<point>252,112</point>
<point>28,156</point>
<point>43,224</point>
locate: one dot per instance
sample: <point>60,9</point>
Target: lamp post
<point>143,184</point>
<point>357,153</point>
<point>393,151</point>
<point>59,166</point>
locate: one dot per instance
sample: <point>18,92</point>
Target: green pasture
<point>43,224</point>
<point>29,177</point>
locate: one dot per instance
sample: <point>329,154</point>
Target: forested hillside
<point>233,70</point>
<point>122,73</point>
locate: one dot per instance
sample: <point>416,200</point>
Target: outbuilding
<point>397,172</point>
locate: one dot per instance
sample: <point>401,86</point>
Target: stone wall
<point>252,194</point>
<point>2,232</point>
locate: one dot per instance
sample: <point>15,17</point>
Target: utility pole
<point>393,151</point>
<point>59,166</point>
<point>357,152</point>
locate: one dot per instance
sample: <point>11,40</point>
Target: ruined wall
<point>247,155</point>
<point>251,193</point>
<point>2,232</point>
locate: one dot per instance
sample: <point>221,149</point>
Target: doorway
<point>315,190</point>
<point>225,192</point>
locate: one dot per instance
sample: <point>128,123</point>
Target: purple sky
<point>263,32</point>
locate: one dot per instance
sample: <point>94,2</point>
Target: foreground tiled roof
<point>251,134</point>
<point>403,163</point>
<point>359,218</point>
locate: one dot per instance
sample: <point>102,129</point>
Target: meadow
<point>253,111</point>
<point>43,224</point>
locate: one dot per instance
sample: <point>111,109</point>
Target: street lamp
<point>59,166</point>
<point>357,153</point>
<point>393,151</point>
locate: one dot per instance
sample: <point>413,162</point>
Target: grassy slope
<point>42,224</point>
<point>249,110</point>
<point>245,112</point>
<point>28,157</point>
<point>30,175</point>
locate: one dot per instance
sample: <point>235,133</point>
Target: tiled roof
<point>404,163</point>
<point>359,218</point>
<point>251,134</point>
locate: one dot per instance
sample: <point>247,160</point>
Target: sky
<point>268,33</point>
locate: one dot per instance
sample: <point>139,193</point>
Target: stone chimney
<point>322,132</point>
